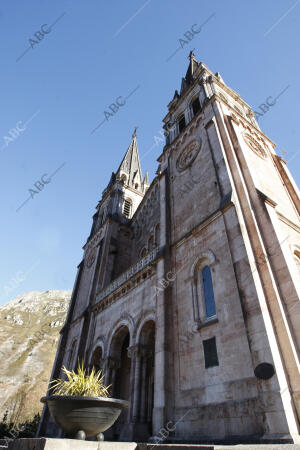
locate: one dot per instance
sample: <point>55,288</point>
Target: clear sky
<point>57,83</point>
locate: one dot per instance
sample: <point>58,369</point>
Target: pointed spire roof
<point>187,80</point>
<point>190,73</point>
<point>146,179</point>
<point>193,66</point>
<point>130,165</point>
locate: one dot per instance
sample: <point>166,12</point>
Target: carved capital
<point>139,350</point>
<point>133,351</point>
<point>203,81</point>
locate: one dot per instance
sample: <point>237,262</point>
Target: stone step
<point>73,444</point>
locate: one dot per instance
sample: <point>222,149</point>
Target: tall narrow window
<point>181,123</point>
<point>196,106</point>
<point>96,360</point>
<point>210,353</point>
<point>143,252</point>
<point>209,299</point>
<point>150,243</point>
<point>127,208</point>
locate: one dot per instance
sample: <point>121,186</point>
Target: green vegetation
<point>29,335</point>
<point>10,430</point>
<point>81,383</point>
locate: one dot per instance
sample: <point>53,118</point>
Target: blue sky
<point>54,95</point>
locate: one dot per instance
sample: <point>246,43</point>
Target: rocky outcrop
<point>29,333</point>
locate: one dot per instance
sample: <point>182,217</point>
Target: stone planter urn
<point>82,417</point>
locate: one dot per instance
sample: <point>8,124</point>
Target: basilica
<point>187,295</point>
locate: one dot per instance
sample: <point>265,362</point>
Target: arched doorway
<point>96,360</point>
<point>147,352</point>
<point>122,381</point>
<point>119,365</point>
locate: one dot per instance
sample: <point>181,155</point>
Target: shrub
<point>81,383</point>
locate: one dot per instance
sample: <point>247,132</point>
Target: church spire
<point>130,168</point>
<point>193,66</point>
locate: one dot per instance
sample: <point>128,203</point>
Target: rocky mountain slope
<point>29,334</point>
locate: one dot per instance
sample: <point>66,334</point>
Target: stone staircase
<point>73,444</point>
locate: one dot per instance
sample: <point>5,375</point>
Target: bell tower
<point>235,209</point>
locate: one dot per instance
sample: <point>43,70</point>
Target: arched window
<point>208,292</point>
<point>157,229</point>
<point>196,106</point>
<point>181,123</point>
<point>127,208</point>
<point>151,243</point>
<point>204,306</point>
<point>143,252</point>
<point>96,360</point>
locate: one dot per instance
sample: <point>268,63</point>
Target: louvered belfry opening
<point>127,208</point>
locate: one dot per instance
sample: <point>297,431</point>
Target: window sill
<point>207,323</point>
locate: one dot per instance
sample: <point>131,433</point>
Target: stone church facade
<point>187,296</point>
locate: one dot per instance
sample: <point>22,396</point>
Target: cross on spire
<point>134,132</point>
<point>191,55</point>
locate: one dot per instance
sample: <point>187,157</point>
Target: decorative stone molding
<point>205,258</point>
<point>129,274</point>
<point>187,131</point>
<point>133,351</point>
<point>188,154</point>
<point>146,316</point>
<point>203,80</point>
<point>235,118</point>
<point>254,145</point>
<point>99,342</point>
<point>125,288</point>
<point>208,255</point>
<point>91,257</point>
<point>139,350</point>
<point>94,241</point>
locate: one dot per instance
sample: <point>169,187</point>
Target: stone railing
<point>129,273</point>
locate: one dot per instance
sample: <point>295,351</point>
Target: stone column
<point>146,354</point>
<point>135,376</point>
<point>112,365</point>
<point>203,84</point>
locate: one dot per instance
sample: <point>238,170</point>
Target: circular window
<point>188,155</point>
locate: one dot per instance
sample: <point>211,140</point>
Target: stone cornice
<point>95,239</point>
<point>204,223</point>
<point>288,222</point>
<point>123,290</point>
<point>126,276</point>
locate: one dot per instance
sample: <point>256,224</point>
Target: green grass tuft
<point>81,383</point>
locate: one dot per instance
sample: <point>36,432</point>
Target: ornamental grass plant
<point>80,383</point>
